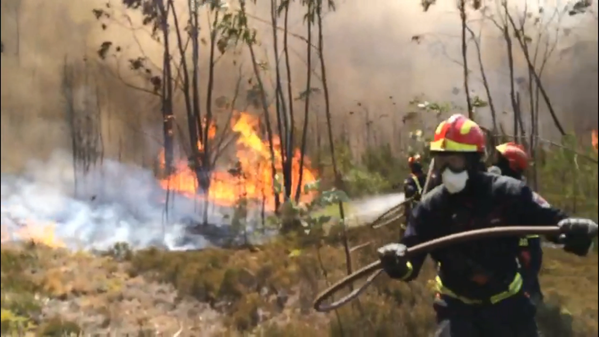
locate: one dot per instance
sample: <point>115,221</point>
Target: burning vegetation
<point>251,177</point>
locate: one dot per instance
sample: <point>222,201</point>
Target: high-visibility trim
<point>446,145</point>
<point>410,271</point>
<point>502,148</point>
<point>513,289</point>
<point>524,240</point>
<point>415,178</point>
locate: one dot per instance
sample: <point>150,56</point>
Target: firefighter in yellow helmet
<point>479,288</point>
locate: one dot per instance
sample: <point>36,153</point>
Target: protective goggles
<point>452,161</point>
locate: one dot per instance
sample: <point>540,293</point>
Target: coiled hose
<point>374,269</point>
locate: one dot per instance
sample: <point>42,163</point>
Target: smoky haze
<point>369,48</point>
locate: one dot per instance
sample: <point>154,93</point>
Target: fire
<point>251,177</point>
<point>38,232</point>
<point>594,140</point>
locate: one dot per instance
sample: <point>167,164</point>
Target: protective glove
<point>577,235</point>
<point>394,261</point>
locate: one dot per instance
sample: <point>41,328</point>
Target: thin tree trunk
<point>462,8</point>
<point>288,165</point>
<point>536,77</point>
<point>281,106</point>
<point>264,105</point>
<point>330,131</point>
<point>483,74</point>
<point>167,99</point>
<point>307,100</point>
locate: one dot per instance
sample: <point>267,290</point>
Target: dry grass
<point>267,291</point>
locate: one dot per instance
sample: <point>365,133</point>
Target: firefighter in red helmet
<point>479,286</point>
<point>512,160</point>
<point>413,186</point>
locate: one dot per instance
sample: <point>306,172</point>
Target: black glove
<point>394,261</point>
<point>577,235</point>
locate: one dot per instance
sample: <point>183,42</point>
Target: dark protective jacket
<point>413,186</point>
<point>531,250</point>
<point>483,270</point>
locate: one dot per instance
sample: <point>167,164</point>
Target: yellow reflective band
<point>440,127</point>
<point>467,126</point>
<point>415,178</point>
<point>532,236</point>
<point>410,271</point>
<point>512,290</point>
<point>452,146</point>
<point>501,148</point>
<point>523,242</point>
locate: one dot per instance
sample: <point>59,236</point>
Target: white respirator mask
<point>454,182</point>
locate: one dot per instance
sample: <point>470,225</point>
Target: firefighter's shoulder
<point>537,198</point>
<point>432,198</point>
<point>505,186</point>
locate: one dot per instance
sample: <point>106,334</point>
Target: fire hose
<point>374,269</point>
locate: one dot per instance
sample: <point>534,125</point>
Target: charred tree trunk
<point>309,21</point>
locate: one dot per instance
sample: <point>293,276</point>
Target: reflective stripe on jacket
<point>512,290</point>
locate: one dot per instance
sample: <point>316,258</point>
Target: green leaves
<point>332,197</point>
<point>477,102</point>
<point>312,186</point>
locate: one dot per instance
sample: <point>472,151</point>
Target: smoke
<point>370,53</point>
<point>114,203</point>
<point>369,50</point>
<point>368,209</point>
<point>120,203</point>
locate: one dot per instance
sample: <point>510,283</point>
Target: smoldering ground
<point>374,51</point>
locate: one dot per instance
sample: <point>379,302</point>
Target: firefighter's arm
<point>577,234</point>
<point>409,188</point>
<point>536,211</point>
<point>393,256</point>
<point>414,235</point>
<point>417,232</point>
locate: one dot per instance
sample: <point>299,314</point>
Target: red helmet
<point>458,134</point>
<point>515,154</point>
<point>414,159</point>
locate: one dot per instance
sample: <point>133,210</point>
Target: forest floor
<point>265,291</point>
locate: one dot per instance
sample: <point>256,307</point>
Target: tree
<point>180,73</point>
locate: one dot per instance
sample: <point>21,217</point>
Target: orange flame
<point>251,177</point>
<point>38,232</point>
<point>594,140</point>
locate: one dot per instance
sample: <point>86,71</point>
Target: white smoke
<point>119,203</point>
<point>368,209</point>
<point>113,203</point>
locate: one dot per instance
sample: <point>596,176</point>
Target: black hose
<point>374,269</point>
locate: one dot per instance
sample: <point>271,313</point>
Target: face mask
<point>454,182</point>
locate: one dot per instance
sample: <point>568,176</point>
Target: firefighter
<point>512,160</point>
<point>479,290</point>
<point>413,186</point>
